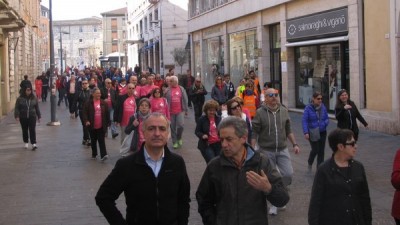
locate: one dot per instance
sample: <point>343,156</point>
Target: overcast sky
<point>78,9</point>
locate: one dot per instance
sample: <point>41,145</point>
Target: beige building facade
<point>155,29</point>
<point>81,41</point>
<point>19,48</point>
<point>303,46</point>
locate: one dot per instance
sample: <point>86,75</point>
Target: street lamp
<point>161,46</point>
<point>61,50</point>
<point>53,121</point>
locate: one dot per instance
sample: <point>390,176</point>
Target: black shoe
<point>114,135</point>
<point>88,143</point>
<point>84,142</point>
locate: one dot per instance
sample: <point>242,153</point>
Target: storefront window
<point>320,68</point>
<point>243,54</point>
<point>213,60</point>
<point>197,66</point>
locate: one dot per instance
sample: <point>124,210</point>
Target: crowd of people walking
<point>244,135</point>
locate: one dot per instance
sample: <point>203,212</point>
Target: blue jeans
<point>113,127</point>
<point>281,160</point>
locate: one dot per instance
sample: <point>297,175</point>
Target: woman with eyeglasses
<point>209,143</point>
<point>346,113</point>
<point>26,112</point>
<point>315,121</point>
<point>234,108</point>
<point>340,193</point>
<point>159,103</point>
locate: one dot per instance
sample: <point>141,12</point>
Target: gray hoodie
<point>271,129</point>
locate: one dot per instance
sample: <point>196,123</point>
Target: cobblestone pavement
<point>56,184</point>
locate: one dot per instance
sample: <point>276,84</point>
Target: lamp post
<point>61,50</point>
<point>161,47</point>
<point>53,121</point>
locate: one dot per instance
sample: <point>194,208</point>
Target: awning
<point>318,41</point>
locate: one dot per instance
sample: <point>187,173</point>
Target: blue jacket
<point>310,119</point>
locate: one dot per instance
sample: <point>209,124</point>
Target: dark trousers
<point>61,97</point>
<point>97,135</point>
<point>45,90</point>
<point>211,151</point>
<point>28,124</point>
<point>397,221</point>
<point>85,129</point>
<point>317,149</point>
<point>189,98</point>
<point>198,110</point>
<point>70,100</point>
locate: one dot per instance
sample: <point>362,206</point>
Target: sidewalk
<point>56,184</point>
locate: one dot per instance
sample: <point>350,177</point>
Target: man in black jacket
<point>154,181</point>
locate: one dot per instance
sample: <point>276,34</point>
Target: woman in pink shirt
<point>206,130</point>
<point>159,103</point>
<point>97,118</point>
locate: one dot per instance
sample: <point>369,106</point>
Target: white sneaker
<point>273,210</point>
<point>26,145</point>
<point>104,158</point>
<point>34,147</point>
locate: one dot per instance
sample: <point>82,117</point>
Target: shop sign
<point>330,23</point>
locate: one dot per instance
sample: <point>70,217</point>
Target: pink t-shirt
<point>141,135</point>
<point>146,90</point>
<point>129,110</point>
<point>160,105</point>
<point>176,100</point>
<point>122,90</point>
<point>213,133</point>
<point>136,92</point>
<point>97,115</point>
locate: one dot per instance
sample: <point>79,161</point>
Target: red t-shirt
<point>213,133</point>
<point>108,100</point>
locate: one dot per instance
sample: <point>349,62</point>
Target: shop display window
<point>213,59</point>
<point>243,54</point>
<point>319,68</point>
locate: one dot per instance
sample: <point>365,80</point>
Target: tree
<point>180,56</point>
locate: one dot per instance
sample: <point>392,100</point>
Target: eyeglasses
<point>131,88</point>
<point>351,143</point>
<point>235,107</point>
<point>272,95</point>
<point>85,83</point>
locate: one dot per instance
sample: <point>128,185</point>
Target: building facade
<point>19,48</point>
<point>44,38</point>
<point>155,29</point>
<point>303,46</point>
<point>114,37</point>
<point>77,42</point>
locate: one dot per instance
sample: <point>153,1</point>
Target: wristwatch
<point>295,144</point>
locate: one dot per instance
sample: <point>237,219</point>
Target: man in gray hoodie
<point>271,129</point>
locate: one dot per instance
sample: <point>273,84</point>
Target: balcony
<point>10,20</point>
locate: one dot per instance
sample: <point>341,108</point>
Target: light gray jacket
<point>184,98</point>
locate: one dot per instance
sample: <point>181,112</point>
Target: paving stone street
<point>56,184</point>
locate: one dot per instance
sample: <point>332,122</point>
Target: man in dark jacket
<point>109,95</point>
<point>187,83</point>
<point>235,186</point>
<point>154,181</point>
<point>80,99</point>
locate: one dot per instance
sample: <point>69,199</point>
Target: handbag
<point>126,144</point>
<point>314,134</point>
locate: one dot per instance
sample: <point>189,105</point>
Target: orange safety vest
<point>249,102</point>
